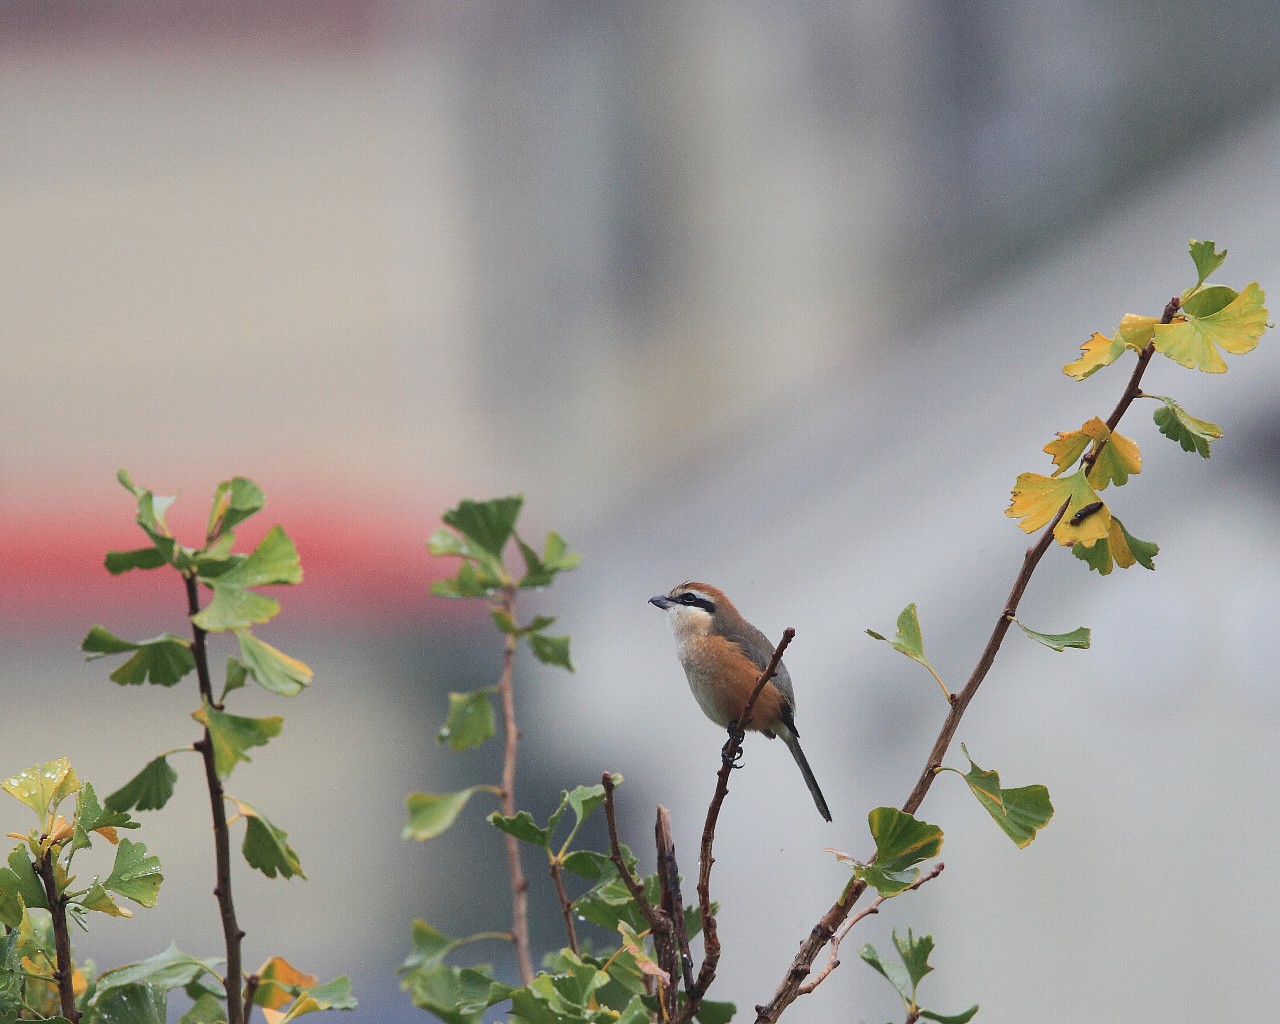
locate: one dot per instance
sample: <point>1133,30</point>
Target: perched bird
<point>723,656</point>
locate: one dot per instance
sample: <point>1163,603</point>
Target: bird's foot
<point>731,753</point>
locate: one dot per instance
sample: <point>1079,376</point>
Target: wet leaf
<point>470,722</point>
<point>135,876</point>
<point>43,786</point>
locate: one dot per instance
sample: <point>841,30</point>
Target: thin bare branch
<point>665,944</point>
<point>672,901</point>
<point>658,920</point>
<point>519,884</point>
<point>615,854</point>
<point>833,959</point>
<point>566,906</point>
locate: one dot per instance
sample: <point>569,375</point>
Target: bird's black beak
<point>661,601</point>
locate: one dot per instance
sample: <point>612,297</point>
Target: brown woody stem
<point>62,970</point>
<point>566,906</point>
<point>231,933</point>
<point>519,884</point>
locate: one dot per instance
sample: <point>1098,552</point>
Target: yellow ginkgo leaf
<point>1097,352</point>
<point>1193,340</point>
<point>1037,499</point>
<point>1136,331</point>
<point>279,982</point>
<point>1118,459</point>
<point>1070,445</point>
<point>42,786</point>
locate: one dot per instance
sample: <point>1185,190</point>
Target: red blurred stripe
<point>361,566</point>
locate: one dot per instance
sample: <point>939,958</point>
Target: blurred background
<point>774,295</point>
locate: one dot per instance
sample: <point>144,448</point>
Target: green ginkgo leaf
<point>432,813</point>
<point>232,735</point>
<point>522,826</point>
<point>486,524</point>
<point>273,561</point>
<point>1020,813</point>
<point>902,841</point>
<point>136,875</point>
<point>149,790</point>
<point>1078,638</point>
<point>167,970</point>
<point>909,641</point>
<point>1120,548</point>
<point>265,846</point>
<point>470,720</point>
<point>1206,258</point>
<point>234,501</point>
<point>274,670</point>
<point>1175,423</point>
<point>163,660</point>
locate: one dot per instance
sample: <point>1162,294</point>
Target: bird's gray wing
<point>759,648</point>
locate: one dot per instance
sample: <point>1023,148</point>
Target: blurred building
<point>770,294</point>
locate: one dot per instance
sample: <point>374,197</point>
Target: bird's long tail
<point>788,736</point>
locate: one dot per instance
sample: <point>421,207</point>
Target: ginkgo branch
<point>827,927</point>
<point>62,966</point>
<point>519,884</point>
<point>566,906</point>
<point>231,932</point>
<point>615,854</point>
<point>658,920</point>
<point>833,958</point>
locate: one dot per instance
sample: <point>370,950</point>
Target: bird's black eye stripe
<point>697,601</point>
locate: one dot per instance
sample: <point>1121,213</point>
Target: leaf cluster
<point>906,973</point>
<point>39,893</point>
<point>236,605</point>
<point>1204,321</point>
<point>1020,813</point>
<point>591,986</point>
<point>478,533</point>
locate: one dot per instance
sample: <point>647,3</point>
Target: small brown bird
<point>723,656</point>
